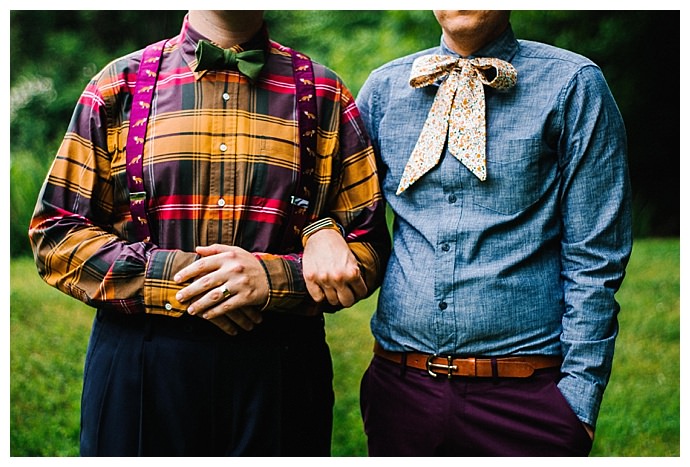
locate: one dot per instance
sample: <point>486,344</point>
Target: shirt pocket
<point>273,166</point>
<point>514,178</point>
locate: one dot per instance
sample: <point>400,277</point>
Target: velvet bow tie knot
<point>211,57</point>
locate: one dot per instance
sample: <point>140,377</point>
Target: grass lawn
<point>640,415</point>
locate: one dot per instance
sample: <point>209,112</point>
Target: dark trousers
<point>161,386</point>
<point>407,412</point>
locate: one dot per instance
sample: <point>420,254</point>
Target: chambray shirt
<point>528,261</point>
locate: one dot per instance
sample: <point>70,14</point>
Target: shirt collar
<point>190,37</point>
<point>504,47</point>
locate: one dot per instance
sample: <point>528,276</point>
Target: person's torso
<point>476,264</point>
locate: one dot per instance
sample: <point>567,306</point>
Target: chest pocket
<point>516,172</point>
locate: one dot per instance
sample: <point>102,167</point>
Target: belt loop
<point>494,369</point>
<point>403,365</point>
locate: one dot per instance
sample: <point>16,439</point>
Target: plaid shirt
<point>220,163</point>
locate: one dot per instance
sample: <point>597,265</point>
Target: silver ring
<point>224,290</point>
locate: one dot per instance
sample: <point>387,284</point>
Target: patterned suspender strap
<point>301,205</point>
<point>138,123</point>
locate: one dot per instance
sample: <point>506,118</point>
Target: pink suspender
<point>138,123</point>
<point>300,207</point>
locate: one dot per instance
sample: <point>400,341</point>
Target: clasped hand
<point>228,288</point>
<point>331,271</point>
<point>229,284</point>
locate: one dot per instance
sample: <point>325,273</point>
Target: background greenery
<point>640,414</point>
<point>54,53</point>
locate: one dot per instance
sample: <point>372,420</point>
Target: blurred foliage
<point>54,53</point>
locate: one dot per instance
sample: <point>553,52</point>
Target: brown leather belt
<point>504,367</point>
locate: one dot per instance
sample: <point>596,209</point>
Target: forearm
<point>102,270</point>
<point>370,242</point>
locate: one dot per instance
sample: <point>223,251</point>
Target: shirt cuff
<point>584,399</point>
<point>286,287</point>
<point>159,286</point>
<point>325,223</point>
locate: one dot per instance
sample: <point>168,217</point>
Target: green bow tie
<point>212,57</point>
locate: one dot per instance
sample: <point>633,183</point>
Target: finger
<point>359,288</point>
<point>208,284</point>
<point>214,304</point>
<point>210,299</point>
<point>225,324</point>
<point>315,291</point>
<point>239,317</point>
<point>345,296</point>
<point>254,314</point>
<point>211,250</point>
<point>352,290</point>
<point>184,275</point>
<point>198,268</point>
<point>331,295</point>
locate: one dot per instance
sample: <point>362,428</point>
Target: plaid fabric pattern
<point>220,164</point>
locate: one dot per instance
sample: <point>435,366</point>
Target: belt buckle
<point>430,366</point>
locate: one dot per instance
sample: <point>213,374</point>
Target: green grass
<point>48,336</point>
<point>640,414</point>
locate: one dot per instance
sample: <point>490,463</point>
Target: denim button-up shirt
<point>528,261</point>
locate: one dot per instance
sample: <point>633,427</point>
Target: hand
<point>331,271</point>
<point>228,284</point>
<point>244,318</point>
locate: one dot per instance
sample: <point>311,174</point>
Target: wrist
<point>267,299</point>
<point>321,224</point>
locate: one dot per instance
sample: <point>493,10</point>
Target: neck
<point>225,27</point>
<point>466,45</point>
<point>462,49</point>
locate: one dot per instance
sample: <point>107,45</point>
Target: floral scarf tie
<point>458,111</point>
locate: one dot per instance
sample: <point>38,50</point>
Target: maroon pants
<point>407,412</point>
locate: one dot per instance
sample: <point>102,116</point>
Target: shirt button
<point>223,147</point>
<point>452,199</point>
<point>445,247</point>
<point>168,306</point>
<point>221,202</point>
<point>443,305</point>
<point>226,96</point>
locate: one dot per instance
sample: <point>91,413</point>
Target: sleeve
<point>76,231</point>
<point>366,103</point>
<point>352,198</point>
<point>597,239</point>
<point>358,204</point>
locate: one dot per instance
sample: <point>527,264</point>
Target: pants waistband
<point>488,367</point>
<point>285,328</point>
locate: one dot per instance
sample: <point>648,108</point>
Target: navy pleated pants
<point>161,386</point>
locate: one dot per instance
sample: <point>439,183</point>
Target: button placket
<point>218,145</point>
<point>228,147</point>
